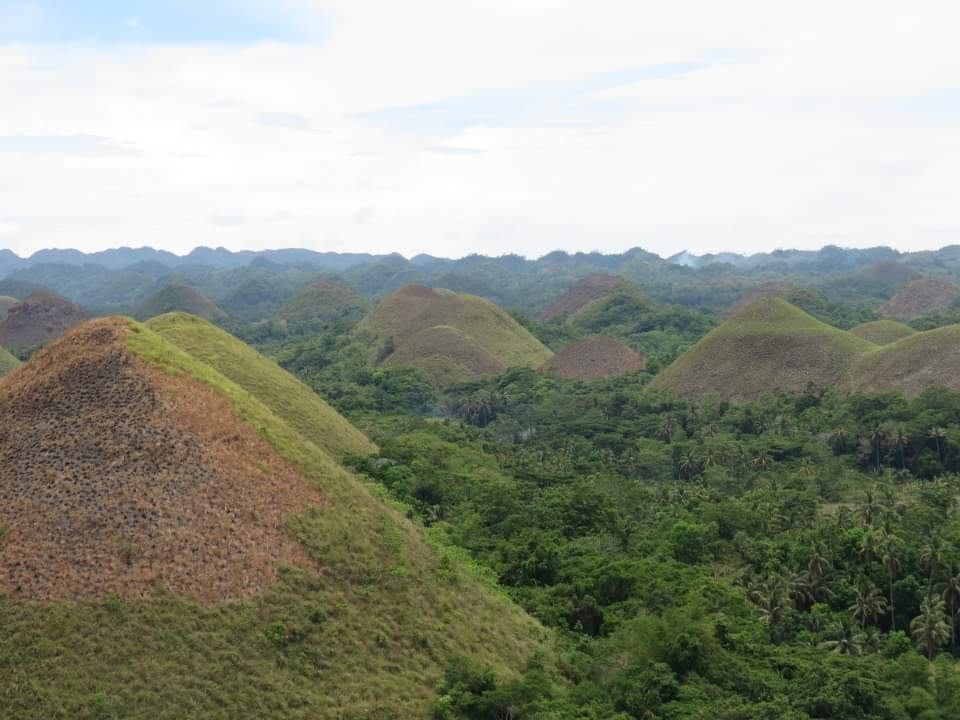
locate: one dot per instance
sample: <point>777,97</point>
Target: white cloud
<point>501,126</point>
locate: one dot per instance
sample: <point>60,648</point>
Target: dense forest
<point>794,557</point>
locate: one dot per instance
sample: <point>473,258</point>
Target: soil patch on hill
<point>118,479</point>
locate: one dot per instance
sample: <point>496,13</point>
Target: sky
<point>503,126</point>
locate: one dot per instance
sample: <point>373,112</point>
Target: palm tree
<point>770,597</point>
<point>819,564</point>
<point>900,441</point>
<point>951,597</point>
<point>869,546</point>
<point>846,641</point>
<point>870,508</point>
<point>930,560</point>
<point>877,435</point>
<point>838,440</point>
<point>929,629</point>
<point>868,606</point>
<point>891,563</point>
<point>666,430</point>
<point>938,435</point>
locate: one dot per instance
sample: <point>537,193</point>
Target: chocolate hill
<point>771,346</point>
<point>919,298</point>
<point>883,332</point>
<point>323,304</point>
<point>452,337</point>
<point>581,294</point>
<point>770,289</point>
<point>41,317</point>
<point>593,358</point>
<point>6,302</point>
<point>180,298</point>
<point>162,520</point>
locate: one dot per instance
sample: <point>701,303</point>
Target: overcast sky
<point>451,127</point>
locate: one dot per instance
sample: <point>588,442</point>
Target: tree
<point>877,436</point>
<point>930,559</point>
<point>900,441</point>
<point>939,436</point>
<point>929,629</point>
<point>951,597</point>
<point>891,564</point>
<point>845,640</point>
<point>819,564</point>
<point>868,606</point>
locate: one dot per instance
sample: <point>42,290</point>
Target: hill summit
<point>323,304</point>
<point>453,337</point>
<point>41,317</point>
<point>921,297</point>
<point>593,358</point>
<point>180,298</point>
<point>581,294</point>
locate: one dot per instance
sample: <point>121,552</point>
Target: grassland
<point>882,332</point>
<point>366,637</point>
<point>325,302</point>
<point>768,346</point>
<point>180,298</point>
<point>286,396</point>
<point>485,332</point>
<point>8,363</point>
<point>772,346</point>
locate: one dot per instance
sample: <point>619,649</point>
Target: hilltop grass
<point>286,396</point>
<point>490,338</point>
<point>883,332</point>
<point>367,636</point>
<point>180,298</point>
<point>768,346</point>
<point>8,362</point>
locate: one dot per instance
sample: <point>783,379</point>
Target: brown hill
<point>919,298</point>
<point>772,288</point>
<point>595,357</point>
<point>6,302</point>
<point>116,478</point>
<point>41,317</point>
<point>451,336</point>
<point>585,291</point>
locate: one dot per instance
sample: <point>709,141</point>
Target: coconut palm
<point>891,563</point>
<point>819,564</point>
<point>939,436</point>
<point>839,437</point>
<point>930,559</point>
<point>845,640</point>
<point>877,436</point>
<point>870,509</point>
<point>951,598</point>
<point>868,606</point>
<point>929,629</point>
<point>869,546</point>
<point>900,440</point>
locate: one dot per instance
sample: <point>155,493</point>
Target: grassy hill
<point>912,364</point>
<point>360,623</point>
<point>286,396</point>
<point>179,298</point>
<point>767,346</point>
<point>450,335</point>
<point>323,304</point>
<point>579,295</point>
<point>8,363</point>
<point>921,297</point>
<point>592,358</point>
<point>882,332</point>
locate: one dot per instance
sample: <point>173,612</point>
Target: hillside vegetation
<point>766,347</point>
<point>448,335</point>
<point>882,332</point>
<point>180,298</point>
<point>323,304</point>
<point>362,625</point>
<point>8,363</point>
<point>285,395</point>
<point>771,347</point>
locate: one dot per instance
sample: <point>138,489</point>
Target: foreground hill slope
<point>593,358</point>
<point>130,470</point>
<point>883,332</point>
<point>180,298</point>
<point>41,317</point>
<point>768,346</point>
<point>284,394</point>
<point>449,335</point>
<point>912,364</point>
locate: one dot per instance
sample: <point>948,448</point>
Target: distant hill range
<point>451,336</point>
<point>771,346</point>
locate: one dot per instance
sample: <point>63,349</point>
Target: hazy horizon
<point>486,127</point>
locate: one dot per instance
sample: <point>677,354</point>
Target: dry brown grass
<point>593,358</point>
<point>38,319</point>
